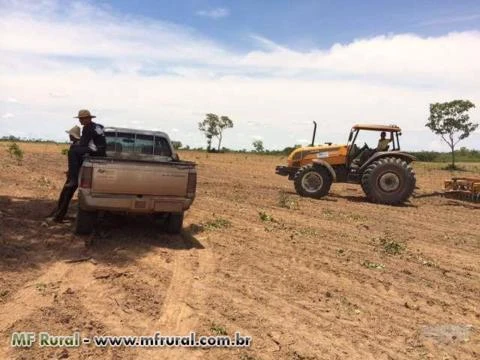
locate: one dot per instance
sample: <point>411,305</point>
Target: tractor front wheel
<point>312,181</point>
<point>388,181</point>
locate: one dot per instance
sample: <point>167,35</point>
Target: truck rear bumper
<point>132,203</point>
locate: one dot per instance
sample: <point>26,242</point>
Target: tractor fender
<point>383,154</point>
<point>320,162</point>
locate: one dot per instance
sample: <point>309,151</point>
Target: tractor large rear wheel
<point>388,181</point>
<point>312,181</point>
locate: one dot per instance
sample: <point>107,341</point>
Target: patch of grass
<point>392,247</point>
<point>389,245</point>
<point>426,262</point>
<point>16,152</point>
<point>285,201</point>
<point>44,182</point>
<point>355,217</point>
<point>328,213</point>
<point>4,293</point>
<point>247,357</point>
<point>308,231</point>
<point>41,288</point>
<point>265,217</point>
<point>217,223</point>
<point>64,151</point>
<point>371,265</point>
<point>218,330</point>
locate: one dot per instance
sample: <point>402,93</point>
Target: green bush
<point>16,152</point>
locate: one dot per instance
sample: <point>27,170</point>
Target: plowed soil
<point>337,278</point>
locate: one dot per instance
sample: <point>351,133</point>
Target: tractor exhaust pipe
<point>314,132</point>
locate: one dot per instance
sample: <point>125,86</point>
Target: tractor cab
<point>367,140</point>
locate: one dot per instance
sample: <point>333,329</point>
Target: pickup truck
<point>141,174</point>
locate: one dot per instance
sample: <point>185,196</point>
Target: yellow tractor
<point>383,171</point>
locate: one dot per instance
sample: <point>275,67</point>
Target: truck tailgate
<point>137,178</point>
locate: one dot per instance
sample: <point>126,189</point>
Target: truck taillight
<point>86,177</point>
<point>192,184</point>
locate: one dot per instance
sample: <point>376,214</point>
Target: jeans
<point>75,159</point>
<point>63,201</point>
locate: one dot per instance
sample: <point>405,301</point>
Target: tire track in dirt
<point>179,311</point>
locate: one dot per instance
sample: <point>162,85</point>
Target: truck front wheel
<point>85,221</point>
<point>175,223</point>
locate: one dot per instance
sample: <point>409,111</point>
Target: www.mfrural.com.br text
<point>45,339</point>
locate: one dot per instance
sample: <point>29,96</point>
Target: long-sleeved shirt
<point>383,144</point>
<point>93,136</point>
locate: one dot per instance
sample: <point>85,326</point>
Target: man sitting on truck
<point>91,142</point>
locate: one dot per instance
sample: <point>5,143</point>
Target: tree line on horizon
<point>450,120</point>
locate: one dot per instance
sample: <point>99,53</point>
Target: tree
<point>176,144</point>
<point>258,146</point>
<point>451,121</point>
<point>213,126</point>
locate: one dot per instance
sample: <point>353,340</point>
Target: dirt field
<point>337,278</point>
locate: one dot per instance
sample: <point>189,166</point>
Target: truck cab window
<point>144,144</point>
<point>162,147</point>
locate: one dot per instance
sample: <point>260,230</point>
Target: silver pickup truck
<point>140,174</point>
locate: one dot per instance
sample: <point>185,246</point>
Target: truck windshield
<point>121,142</point>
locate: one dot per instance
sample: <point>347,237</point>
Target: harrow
<point>465,188</point>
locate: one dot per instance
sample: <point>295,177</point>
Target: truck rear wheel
<point>174,223</point>
<point>312,181</point>
<point>388,181</point>
<point>85,221</point>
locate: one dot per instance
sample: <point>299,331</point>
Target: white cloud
<point>175,130</point>
<point>216,13</point>
<point>12,100</point>
<point>121,67</point>
<point>55,94</point>
<point>8,116</point>
<point>257,137</point>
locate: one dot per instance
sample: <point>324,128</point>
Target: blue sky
<point>309,23</point>
<point>272,66</point>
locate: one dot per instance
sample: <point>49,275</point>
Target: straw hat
<point>74,131</point>
<point>84,114</point>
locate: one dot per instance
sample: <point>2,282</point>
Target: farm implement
<point>465,188</point>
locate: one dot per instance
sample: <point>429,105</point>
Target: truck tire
<point>388,181</point>
<point>85,221</point>
<point>312,181</point>
<point>174,223</point>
